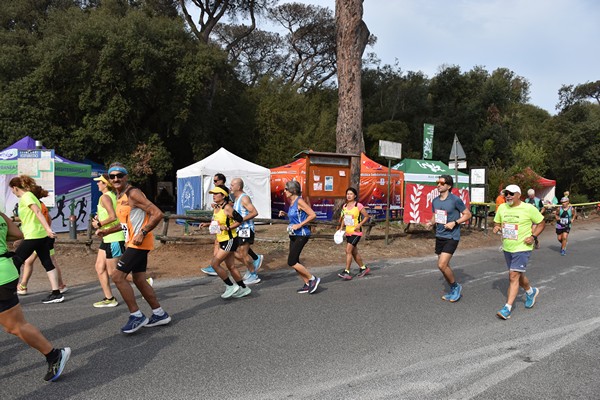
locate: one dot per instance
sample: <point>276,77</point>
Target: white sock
<point>158,311</point>
<point>530,291</point>
<point>508,306</point>
<point>137,314</point>
<point>312,278</point>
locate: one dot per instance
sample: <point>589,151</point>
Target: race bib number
<point>125,231</point>
<point>441,217</point>
<point>348,220</point>
<point>214,228</point>
<point>244,233</point>
<point>564,221</point>
<point>510,231</point>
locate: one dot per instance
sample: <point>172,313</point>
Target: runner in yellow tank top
<point>354,216</point>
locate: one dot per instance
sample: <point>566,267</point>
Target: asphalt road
<point>386,336</point>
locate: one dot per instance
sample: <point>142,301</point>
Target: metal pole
<point>455,161</point>
<point>387,210</point>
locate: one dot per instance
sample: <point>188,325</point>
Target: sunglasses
<point>116,176</point>
<point>215,180</point>
<point>440,183</point>
<point>507,193</point>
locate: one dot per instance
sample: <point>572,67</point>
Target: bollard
<point>72,227</point>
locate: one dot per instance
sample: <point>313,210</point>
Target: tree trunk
<point>351,37</point>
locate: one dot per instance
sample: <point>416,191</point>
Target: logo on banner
<point>187,197</point>
<point>415,200</point>
<point>8,154</point>
<point>432,167</point>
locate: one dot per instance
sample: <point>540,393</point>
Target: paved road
<point>386,336</point>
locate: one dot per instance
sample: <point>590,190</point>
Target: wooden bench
<point>195,214</point>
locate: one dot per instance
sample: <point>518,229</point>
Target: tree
<point>352,38</point>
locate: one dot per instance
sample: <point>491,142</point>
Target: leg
<point>229,262</point>
<point>13,321</point>
<point>564,240</point>
<point>27,269</point>
<point>524,282</point>
<point>120,279</point>
<point>241,254</point>
<point>515,278</point>
<point>139,279</point>
<point>357,257</point>
<point>349,251</point>
<point>297,243</point>
<point>103,273</point>
<point>444,266</point>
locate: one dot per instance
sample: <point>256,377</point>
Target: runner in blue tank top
<point>299,214</point>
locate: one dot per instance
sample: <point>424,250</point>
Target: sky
<point>547,42</point>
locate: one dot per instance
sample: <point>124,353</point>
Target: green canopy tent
<point>427,171</point>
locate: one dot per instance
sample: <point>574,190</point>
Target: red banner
<point>418,198</point>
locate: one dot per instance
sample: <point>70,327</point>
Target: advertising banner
<point>418,199</point>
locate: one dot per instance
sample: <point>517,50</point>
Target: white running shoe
<point>230,290</point>
<point>251,279</point>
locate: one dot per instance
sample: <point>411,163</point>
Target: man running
<point>565,215</point>
<point>516,220</point>
<point>449,211</point>
<point>138,216</point>
<point>243,205</point>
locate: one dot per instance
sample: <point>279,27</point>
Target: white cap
<point>512,189</point>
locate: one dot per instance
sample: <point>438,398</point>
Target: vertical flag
<point>427,141</point>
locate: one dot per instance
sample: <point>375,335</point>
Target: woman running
<point>27,269</point>
<point>224,221</point>
<point>37,233</point>
<point>564,215</point>
<point>354,216</point>
<point>299,214</point>
<point>11,314</point>
<point>113,244</point>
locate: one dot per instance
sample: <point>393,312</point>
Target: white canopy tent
<point>194,182</point>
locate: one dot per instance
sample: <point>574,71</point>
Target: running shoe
<point>345,275</point>
<point>150,281</point>
<point>363,272</point>
<point>258,262</point>
<point>243,291</point>
<point>230,290</point>
<point>304,289</point>
<point>313,284</point>
<point>246,275</point>
<point>251,279</point>
<point>563,252</point>
<point>530,298</point>
<point>134,323</point>
<point>504,313</point>
<point>21,290</point>
<point>156,320</point>
<point>63,289</point>
<point>56,368</point>
<point>209,271</point>
<point>53,298</point>
<point>106,303</point>
<point>456,293</point>
<point>447,296</point>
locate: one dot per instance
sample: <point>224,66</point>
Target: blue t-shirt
<point>445,211</point>
<point>297,216</point>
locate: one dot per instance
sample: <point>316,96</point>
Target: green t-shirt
<point>30,224</point>
<point>516,225</point>
<point>118,236</point>
<point>8,272</point>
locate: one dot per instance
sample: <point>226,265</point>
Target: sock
<point>241,284</point>
<point>158,311</point>
<point>56,291</point>
<point>454,285</point>
<point>347,271</point>
<point>363,267</point>
<point>508,306</point>
<point>228,282</point>
<point>252,254</point>
<point>137,314</point>
<point>53,355</point>
<point>530,291</point>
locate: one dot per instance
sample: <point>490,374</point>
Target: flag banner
<point>427,141</point>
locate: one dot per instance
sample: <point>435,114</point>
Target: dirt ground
<point>177,260</point>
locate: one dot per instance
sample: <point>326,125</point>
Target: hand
<point>529,240</point>
<point>496,229</point>
<point>282,213</point>
<point>99,233</point>
<point>137,239</point>
<point>51,234</point>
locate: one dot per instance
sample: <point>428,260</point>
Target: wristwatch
<point>534,237</point>
<point>144,232</point>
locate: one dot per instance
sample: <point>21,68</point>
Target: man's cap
<point>564,199</point>
<point>512,189</point>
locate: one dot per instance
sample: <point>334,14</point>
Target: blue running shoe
<point>209,271</point>
<point>504,313</point>
<point>134,323</point>
<point>258,262</point>
<point>563,252</point>
<point>313,285</point>
<point>156,320</point>
<point>304,289</point>
<point>56,368</point>
<point>530,298</point>
<point>456,293</point>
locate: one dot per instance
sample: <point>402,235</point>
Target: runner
<point>243,205</point>
<point>11,314</point>
<point>537,203</point>
<point>565,215</point>
<point>300,214</point>
<point>138,217</point>
<point>113,244</point>
<point>27,268</point>
<point>224,221</point>
<point>354,216</point>
<point>449,212</point>
<point>515,219</point>
<point>37,233</point>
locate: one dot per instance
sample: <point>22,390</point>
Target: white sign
<point>390,149</point>
<point>477,195</point>
<point>462,164</point>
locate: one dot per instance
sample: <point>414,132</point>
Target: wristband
<point>534,236</point>
<point>99,224</point>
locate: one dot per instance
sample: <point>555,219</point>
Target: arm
<point>112,215</point>
<point>252,212</point>
<point>13,233</point>
<point>538,230</point>
<point>38,213</point>
<point>229,212</point>
<point>310,214</point>
<point>139,200</point>
<point>365,218</point>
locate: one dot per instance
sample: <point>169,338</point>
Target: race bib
<point>125,231</point>
<point>244,233</point>
<point>348,220</point>
<point>510,231</point>
<point>214,228</point>
<point>564,221</point>
<point>441,217</point>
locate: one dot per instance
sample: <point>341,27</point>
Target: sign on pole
<point>39,164</point>
<point>389,150</point>
<point>427,141</point>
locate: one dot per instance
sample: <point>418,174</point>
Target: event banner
<point>418,199</point>
<point>427,141</point>
<point>39,164</point>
